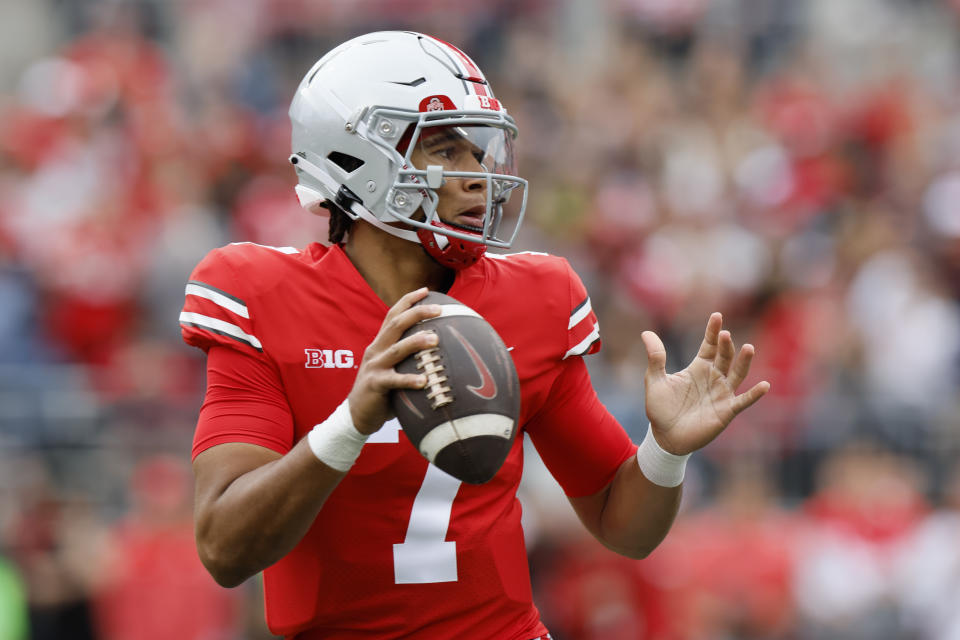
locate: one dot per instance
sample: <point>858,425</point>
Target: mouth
<point>471,219</point>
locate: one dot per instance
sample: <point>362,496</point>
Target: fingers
<point>406,301</point>
<point>718,347</point>
<point>744,400</point>
<point>711,337</point>
<point>656,354</point>
<point>376,376</point>
<point>739,371</point>
<point>401,316</point>
<point>389,347</point>
<point>725,353</point>
<point>387,380</point>
<point>741,367</point>
<point>400,350</point>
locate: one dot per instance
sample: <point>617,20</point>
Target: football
<point>465,420</point>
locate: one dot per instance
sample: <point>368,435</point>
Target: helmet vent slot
<point>413,83</point>
<point>346,162</point>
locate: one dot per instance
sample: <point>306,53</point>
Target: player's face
<point>463,200</point>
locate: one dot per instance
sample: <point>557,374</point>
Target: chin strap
<point>357,210</point>
<point>453,253</point>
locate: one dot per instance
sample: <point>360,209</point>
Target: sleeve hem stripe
<point>220,327</point>
<point>584,344</point>
<point>579,313</point>
<point>221,298</point>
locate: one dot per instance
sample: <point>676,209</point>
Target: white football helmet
<point>363,108</point>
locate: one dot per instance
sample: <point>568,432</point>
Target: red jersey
<point>399,549</point>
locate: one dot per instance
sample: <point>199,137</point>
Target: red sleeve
<point>577,438</point>
<point>244,403</point>
<point>583,329</point>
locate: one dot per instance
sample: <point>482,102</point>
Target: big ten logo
<point>329,359</point>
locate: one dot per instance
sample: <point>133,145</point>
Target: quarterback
<point>301,470</point>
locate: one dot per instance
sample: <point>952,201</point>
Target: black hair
<point>340,222</point>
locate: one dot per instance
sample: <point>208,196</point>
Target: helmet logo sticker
<point>437,103</point>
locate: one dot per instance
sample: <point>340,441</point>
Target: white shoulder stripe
<point>579,314</point>
<point>584,345</point>
<point>215,296</point>
<point>266,246</point>
<point>219,326</point>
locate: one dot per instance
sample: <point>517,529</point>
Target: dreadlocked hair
<point>340,223</point>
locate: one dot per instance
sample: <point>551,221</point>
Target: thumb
<point>656,355</point>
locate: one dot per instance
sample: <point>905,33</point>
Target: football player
<point>300,471</point>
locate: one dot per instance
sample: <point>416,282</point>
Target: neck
<point>393,266</point>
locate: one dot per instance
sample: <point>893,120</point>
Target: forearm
<point>637,513</point>
<point>252,522</point>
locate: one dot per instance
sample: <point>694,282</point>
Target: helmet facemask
<point>443,147</point>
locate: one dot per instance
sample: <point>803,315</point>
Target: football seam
<point>430,361</point>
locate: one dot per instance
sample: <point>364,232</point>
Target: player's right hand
<point>376,377</point>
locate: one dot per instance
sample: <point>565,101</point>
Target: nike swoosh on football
<point>488,386</point>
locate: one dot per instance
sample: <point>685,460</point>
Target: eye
<point>443,152</point>
<point>447,153</point>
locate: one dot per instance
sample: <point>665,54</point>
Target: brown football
<point>465,420</point>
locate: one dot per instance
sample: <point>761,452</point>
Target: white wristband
<point>335,441</point>
<point>659,466</point>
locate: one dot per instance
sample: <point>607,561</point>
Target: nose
<point>477,183</point>
<point>474,184</point>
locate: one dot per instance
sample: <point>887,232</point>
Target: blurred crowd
<point>795,165</point>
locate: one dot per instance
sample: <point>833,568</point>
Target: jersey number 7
<point>425,555</point>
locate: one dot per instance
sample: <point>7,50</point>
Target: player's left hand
<point>690,408</point>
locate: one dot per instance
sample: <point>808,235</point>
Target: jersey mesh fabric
<point>271,321</point>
